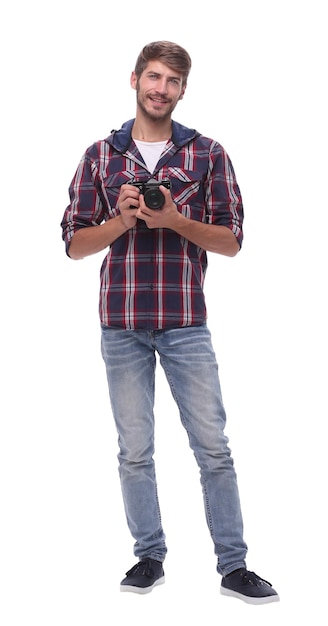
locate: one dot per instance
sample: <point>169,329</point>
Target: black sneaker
<point>249,587</point>
<point>143,576</point>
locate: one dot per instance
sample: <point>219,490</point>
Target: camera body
<point>154,198</point>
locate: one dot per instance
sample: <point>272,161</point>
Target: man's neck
<point>145,130</point>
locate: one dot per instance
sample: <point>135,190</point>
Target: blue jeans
<point>188,359</point>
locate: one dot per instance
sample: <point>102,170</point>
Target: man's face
<point>159,89</point>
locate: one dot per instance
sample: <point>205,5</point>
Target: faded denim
<point>188,359</point>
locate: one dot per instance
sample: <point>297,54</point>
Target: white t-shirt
<point>150,151</point>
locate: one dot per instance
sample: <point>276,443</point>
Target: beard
<point>152,114</point>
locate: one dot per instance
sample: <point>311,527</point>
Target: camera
<point>154,198</point>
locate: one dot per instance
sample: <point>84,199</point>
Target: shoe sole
<point>143,590</point>
<point>249,599</point>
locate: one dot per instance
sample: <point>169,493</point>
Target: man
<point>152,301</point>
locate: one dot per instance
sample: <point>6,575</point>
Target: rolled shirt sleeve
<point>222,194</point>
<point>87,204</point>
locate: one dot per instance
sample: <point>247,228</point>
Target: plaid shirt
<point>154,278</point>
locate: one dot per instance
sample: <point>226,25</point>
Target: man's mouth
<point>157,100</point>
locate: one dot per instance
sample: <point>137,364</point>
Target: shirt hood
<point>121,139</point>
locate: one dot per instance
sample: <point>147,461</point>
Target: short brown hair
<point>169,53</point>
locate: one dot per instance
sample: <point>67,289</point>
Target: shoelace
<point>143,567</point>
<point>254,579</point>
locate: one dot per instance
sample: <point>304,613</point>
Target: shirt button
<point>151,287</point>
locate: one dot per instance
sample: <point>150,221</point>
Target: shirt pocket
<point>111,189</point>
<point>187,191</point>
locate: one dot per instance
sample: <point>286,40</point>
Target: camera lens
<point>154,198</point>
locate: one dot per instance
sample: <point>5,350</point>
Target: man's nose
<point>162,85</point>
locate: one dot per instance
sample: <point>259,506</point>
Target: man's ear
<point>182,92</point>
<point>133,80</point>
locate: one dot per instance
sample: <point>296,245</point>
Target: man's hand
<point>166,217</point>
<point>210,237</point>
<point>128,202</point>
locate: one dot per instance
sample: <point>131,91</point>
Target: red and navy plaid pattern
<point>153,279</point>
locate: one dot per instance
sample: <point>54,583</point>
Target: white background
<point>258,85</point>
